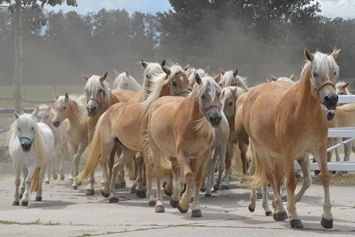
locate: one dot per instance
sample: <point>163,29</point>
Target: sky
<point>330,8</point>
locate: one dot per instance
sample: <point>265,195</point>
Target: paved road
<point>66,212</point>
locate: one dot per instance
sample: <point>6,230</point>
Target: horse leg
<point>228,168</point>
<point>188,177</point>
<point>131,166</point>
<point>26,196</point>
<point>139,182</point>
<point>53,159</point>
<point>330,142</point>
<point>16,201</point>
<point>62,152</point>
<point>209,172</point>
<point>125,157</point>
<point>304,164</point>
<point>74,150</point>
<point>243,154</point>
<point>327,217</point>
<point>175,196</point>
<point>23,183</point>
<point>168,186</point>
<point>222,165</point>
<point>265,201</point>
<point>76,160</point>
<point>48,169</point>
<point>198,166</point>
<point>149,176</point>
<point>41,177</point>
<point>347,151</point>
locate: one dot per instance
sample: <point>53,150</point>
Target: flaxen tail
<point>258,179</point>
<point>94,154</point>
<point>35,181</point>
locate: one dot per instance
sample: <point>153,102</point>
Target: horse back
<point>122,95</point>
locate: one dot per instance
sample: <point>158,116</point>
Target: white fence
<point>338,132</point>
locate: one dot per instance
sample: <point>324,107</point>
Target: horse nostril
<point>326,98</point>
<point>211,118</point>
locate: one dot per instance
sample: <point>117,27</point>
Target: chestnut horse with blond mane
<point>270,113</point>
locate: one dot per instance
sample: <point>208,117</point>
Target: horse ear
<point>222,93</point>
<point>235,73</point>
<point>198,79</point>
<point>166,70</point>
<point>116,73</point>
<point>85,77</point>
<point>144,64</point>
<point>16,115</point>
<point>66,96</point>
<point>186,67</point>
<point>234,90</point>
<point>217,78</point>
<point>206,69</point>
<point>273,77</point>
<point>335,54</point>
<point>163,63</point>
<point>56,96</point>
<point>49,107</point>
<point>267,80</point>
<point>35,112</point>
<point>309,56</point>
<point>346,84</point>
<point>292,77</point>
<point>221,71</point>
<point>103,77</point>
<point>127,73</point>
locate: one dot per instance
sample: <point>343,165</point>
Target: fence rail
<point>28,101</point>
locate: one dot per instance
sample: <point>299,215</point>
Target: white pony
<point>31,145</point>
<point>126,82</point>
<point>45,114</point>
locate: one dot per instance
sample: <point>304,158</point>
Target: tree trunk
<point>18,57</point>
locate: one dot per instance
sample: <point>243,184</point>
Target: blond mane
<point>126,82</point>
<point>228,79</point>
<point>80,101</point>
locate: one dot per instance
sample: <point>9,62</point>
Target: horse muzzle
<point>26,147</point>
<point>92,111</point>
<point>215,121</point>
<point>330,114</point>
<point>56,123</point>
<point>331,100</point>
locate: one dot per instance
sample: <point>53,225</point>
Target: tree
<point>16,6</point>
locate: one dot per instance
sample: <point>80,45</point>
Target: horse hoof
<point>55,177</point>
<point>62,177</point>
<point>159,209</point>
<point>38,199</point>
<point>89,192</point>
<point>281,216</point>
<point>203,190</point>
<point>284,198</point>
<point>24,203</point>
<point>140,193</point>
<point>123,184</point>
<point>196,213</point>
<point>75,187</point>
<point>133,190</point>
<point>21,196</point>
<point>152,203</point>
<point>117,186</point>
<point>167,193</point>
<point>113,200</point>
<point>46,182</point>
<point>216,187</point>
<point>106,195</point>
<point>251,209</point>
<point>181,210</point>
<point>71,179</point>
<point>225,187</point>
<point>174,203</point>
<point>208,195</point>
<point>268,213</point>
<point>15,203</point>
<point>296,224</point>
<point>327,224</point>
<point>164,184</point>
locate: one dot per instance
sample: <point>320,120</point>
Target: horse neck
<point>303,98</point>
<point>73,116</point>
<point>194,108</point>
<point>166,91</point>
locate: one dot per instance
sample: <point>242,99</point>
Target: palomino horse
<point>125,81</point>
<point>191,72</point>
<point>269,115</point>
<point>31,144</point>
<point>123,124</point>
<point>45,114</point>
<point>72,108</point>
<point>183,128</point>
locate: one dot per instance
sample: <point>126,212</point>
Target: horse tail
<point>258,179</point>
<point>94,154</point>
<point>35,180</point>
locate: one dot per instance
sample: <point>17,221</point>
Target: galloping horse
<point>45,114</point>
<point>123,124</point>
<point>270,112</point>
<point>31,145</point>
<point>183,128</point>
<point>72,108</point>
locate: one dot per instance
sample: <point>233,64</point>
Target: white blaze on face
<point>181,78</point>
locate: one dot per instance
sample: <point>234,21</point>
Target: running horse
<point>270,113</point>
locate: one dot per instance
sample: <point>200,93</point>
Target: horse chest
<point>21,159</point>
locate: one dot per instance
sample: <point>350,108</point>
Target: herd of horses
<point>185,125</point>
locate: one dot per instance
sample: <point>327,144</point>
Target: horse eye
<point>174,83</point>
<point>47,117</point>
<point>315,74</point>
<point>335,73</point>
<point>341,93</point>
<point>64,108</point>
<point>230,103</point>
<point>32,128</point>
<point>18,129</point>
<point>202,96</point>
<point>100,90</point>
